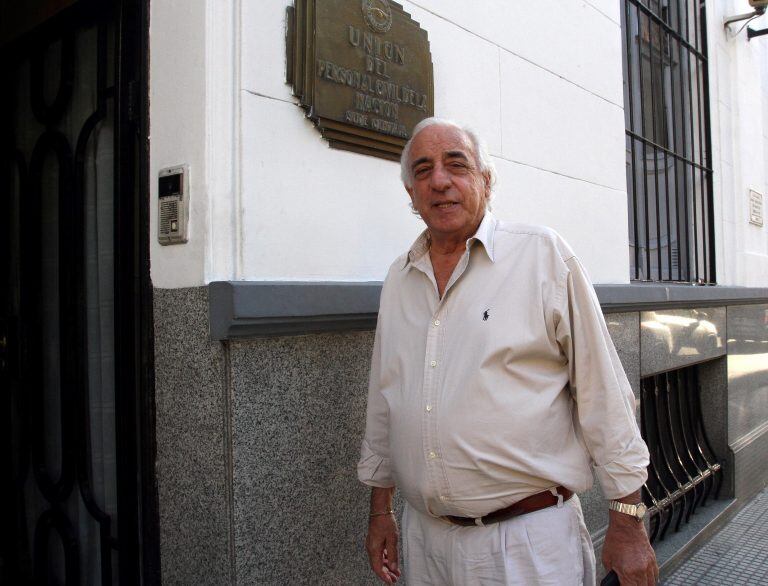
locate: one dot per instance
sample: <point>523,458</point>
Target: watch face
<point>641,510</point>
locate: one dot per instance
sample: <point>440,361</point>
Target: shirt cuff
<point>626,473</point>
<point>372,469</point>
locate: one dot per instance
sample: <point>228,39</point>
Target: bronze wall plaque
<point>362,70</point>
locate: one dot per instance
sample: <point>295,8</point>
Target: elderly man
<point>494,391</point>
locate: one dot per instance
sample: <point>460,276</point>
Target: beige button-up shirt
<point>505,387</point>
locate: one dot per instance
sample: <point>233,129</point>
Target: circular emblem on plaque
<point>378,15</point>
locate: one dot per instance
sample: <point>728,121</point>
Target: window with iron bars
<point>669,171</point>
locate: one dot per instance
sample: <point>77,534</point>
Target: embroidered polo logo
<point>486,314</point>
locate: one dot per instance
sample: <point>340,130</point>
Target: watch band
<point>637,511</point>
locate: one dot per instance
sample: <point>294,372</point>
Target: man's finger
<point>386,573</point>
<point>376,560</point>
<point>392,554</point>
<point>393,575</point>
<point>621,576</point>
<point>635,577</point>
<point>653,575</point>
<point>377,557</point>
<point>651,571</point>
<point>381,571</point>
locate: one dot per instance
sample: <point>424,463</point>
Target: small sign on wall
<point>755,208</point>
<point>362,70</point>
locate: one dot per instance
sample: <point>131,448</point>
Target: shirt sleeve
<point>373,467</point>
<point>605,403</point>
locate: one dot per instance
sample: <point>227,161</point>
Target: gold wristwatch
<point>637,511</point>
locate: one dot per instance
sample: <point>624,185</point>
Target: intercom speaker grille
<point>169,211</point>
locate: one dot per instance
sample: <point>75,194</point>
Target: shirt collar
<point>484,235</point>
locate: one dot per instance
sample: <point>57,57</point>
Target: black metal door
<point>74,313</point>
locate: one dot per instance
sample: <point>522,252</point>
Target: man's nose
<point>440,179</point>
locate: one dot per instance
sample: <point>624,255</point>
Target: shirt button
<point>437,322</point>
<point>429,408</point>
<point>433,363</point>
<point>432,455</point>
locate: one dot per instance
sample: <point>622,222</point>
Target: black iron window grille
<point>684,471</point>
<point>669,171</point>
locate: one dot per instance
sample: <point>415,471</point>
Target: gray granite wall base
<point>193,451</point>
<point>299,412</point>
<point>257,446</point>
<point>675,338</point>
<point>750,457</point>
<point>713,381</point>
<point>624,329</point>
<point>747,369</point>
<point>258,440</point>
<point>298,416</point>
<point>748,396</point>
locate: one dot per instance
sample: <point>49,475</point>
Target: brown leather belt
<point>535,502</point>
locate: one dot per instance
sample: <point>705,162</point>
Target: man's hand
<point>381,542</point>
<point>381,545</point>
<point>627,551</point>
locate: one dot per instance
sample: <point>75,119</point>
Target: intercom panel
<point>173,202</point>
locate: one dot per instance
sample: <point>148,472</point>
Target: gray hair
<point>479,150</point>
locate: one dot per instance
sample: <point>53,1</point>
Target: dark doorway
<point>76,406</point>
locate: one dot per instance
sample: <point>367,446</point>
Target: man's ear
<point>410,192</point>
<point>487,181</point>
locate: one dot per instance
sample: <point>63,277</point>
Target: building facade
<point>638,129</point>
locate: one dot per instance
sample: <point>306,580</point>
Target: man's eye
<point>421,171</point>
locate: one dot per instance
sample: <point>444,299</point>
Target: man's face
<point>449,192</point>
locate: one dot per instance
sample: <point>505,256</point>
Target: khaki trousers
<point>549,546</point>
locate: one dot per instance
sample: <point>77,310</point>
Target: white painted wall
<point>739,112</point>
<point>541,82</point>
<point>536,93</point>
<point>194,120</point>
<point>177,130</point>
